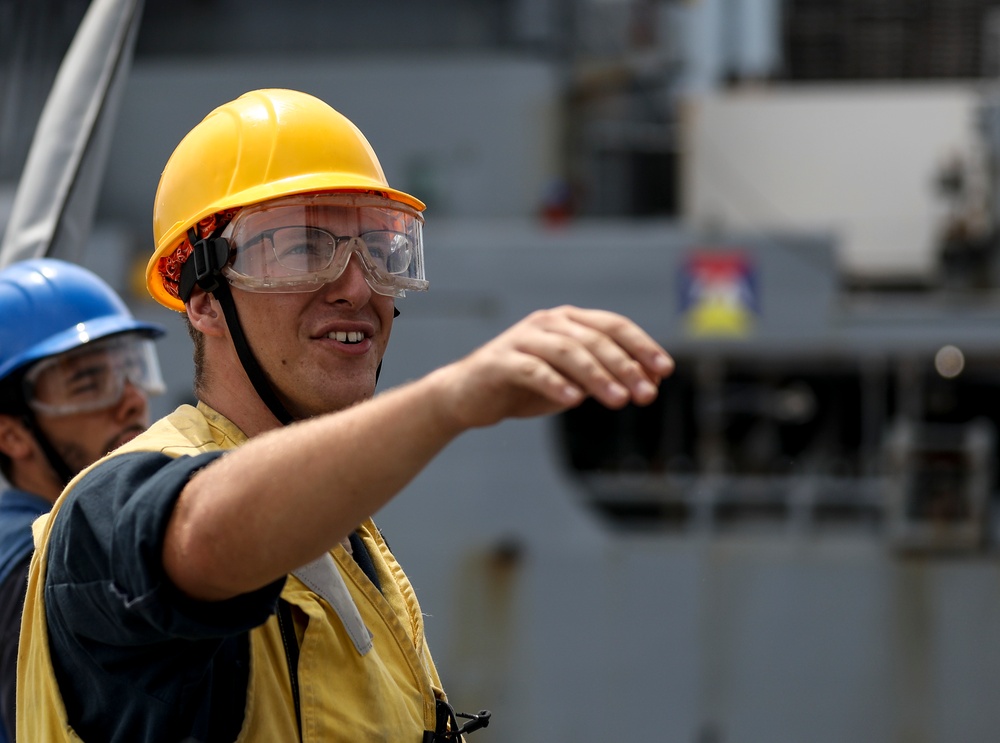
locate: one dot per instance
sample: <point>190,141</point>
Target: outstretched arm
<point>289,495</point>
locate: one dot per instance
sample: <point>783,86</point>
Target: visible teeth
<point>353,336</point>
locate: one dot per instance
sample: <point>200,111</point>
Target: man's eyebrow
<point>90,368</point>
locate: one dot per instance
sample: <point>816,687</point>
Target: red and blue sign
<point>718,293</point>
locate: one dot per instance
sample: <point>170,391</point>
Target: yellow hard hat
<point>263,145</point>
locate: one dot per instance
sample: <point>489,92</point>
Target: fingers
<point>544,379</point>
<point>598,353</point>
<point>630,337</point>
<point>551,361</point>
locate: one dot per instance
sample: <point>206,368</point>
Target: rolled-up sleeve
<point>105,585</point>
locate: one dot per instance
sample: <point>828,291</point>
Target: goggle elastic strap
<point>208,257</point>
<point>204,266</point>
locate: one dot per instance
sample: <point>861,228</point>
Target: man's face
<point>92,399</point>
<point>320,349</point>
<point>83,438</point>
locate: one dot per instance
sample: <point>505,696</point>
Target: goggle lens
<point>300,243</point>
<point>93,376</point>
<point>302,250</point>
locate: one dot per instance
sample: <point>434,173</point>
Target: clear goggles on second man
<point>93,376</point>
<point>299,243</point>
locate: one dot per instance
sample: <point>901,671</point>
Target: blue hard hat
<point>48,306</point>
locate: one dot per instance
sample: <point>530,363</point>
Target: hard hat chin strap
<point>204,269</point>
<point>250,364</point>
<point>55,460</point>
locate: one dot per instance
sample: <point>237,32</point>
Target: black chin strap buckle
<point>480,720</point>
<point>448,730</point>
<point>204,266</point>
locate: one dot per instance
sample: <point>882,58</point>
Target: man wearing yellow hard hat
<point>219,578</point>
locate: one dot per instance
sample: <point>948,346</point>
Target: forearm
<point>287,496</point>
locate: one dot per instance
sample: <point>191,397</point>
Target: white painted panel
<point>860,162</point>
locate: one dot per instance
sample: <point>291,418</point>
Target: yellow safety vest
<point>388,693</point>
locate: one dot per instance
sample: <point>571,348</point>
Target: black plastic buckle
<point>204,266</point>
<point>447,729</point>
<point>480,720</point>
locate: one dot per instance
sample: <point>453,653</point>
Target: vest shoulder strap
<point>323,578</point>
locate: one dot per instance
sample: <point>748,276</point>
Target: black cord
<point>287,626</point>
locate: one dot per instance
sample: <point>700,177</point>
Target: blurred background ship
<point>800,199</point>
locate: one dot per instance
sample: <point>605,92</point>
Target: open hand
<point>551,361</point>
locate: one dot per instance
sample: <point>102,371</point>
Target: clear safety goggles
<point>93,376</point>
<point>300,243</point>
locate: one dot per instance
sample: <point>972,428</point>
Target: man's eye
<point>302,248</point>
<point>134,365</point>
<point>87,382</point>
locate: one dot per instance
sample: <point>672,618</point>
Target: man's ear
<point>205,313</point>
<point>15,440</point>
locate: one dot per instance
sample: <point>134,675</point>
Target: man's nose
<point>133,401</point>
<point>352,285</point>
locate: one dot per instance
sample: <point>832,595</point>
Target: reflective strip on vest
<point>322,576</point>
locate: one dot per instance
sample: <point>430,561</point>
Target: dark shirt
<point>11,606</point>
<point>122,637</point>
<point>18,510</point>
